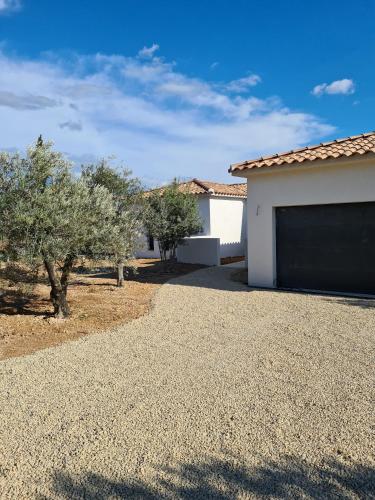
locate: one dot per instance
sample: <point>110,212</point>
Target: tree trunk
<point>60,304</point>
<point>173,255</point>
<point>161,253</point>
<point>120,274</point>
<point>65,273</point>
<point>57,294</point>
<point>59,287</point>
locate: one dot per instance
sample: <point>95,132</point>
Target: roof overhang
<point>308,164</point>
<point>220,195</point>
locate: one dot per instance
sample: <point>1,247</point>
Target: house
<point>311,217</point>
<point>222,208</point>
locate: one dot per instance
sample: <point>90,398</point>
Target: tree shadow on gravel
<point>223,480</point>
<point>155,272</point>
<point>176,273</point>
<point>363,303</point>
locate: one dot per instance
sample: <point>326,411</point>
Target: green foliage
<point>49,216</point>
<point>127,222</point>
<point>46,212</point>
<point>124,188</point>
<point>172,215</point>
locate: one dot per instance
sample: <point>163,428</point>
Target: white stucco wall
<point>200,250</point>
<point>342,181</point>
<point>228,222</point>
<point>204,212</point>
<point>144,253</point>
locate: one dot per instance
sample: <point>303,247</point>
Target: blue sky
<point>185,87</point>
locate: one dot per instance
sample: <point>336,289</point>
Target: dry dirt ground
<point>231,260</point>
<point>97,304</point>
<point>221,391</point>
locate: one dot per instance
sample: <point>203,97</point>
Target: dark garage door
<point>326,247</point>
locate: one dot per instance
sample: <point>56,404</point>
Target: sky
<point>184,88</point>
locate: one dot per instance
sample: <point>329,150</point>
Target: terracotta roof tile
<point>196,186</point>
<point>348,146</point>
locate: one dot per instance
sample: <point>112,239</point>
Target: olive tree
<point>50,217</point>
<point>127,222</point>
<point>171,216</point>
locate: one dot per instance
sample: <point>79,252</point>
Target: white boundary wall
<point>200,250</point>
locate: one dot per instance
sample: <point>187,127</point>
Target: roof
<point>349,146</point>
<point>196,186</point>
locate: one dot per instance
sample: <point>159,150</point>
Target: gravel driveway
<point>220,392</point>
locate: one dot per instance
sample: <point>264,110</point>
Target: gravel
<point>220,392</point>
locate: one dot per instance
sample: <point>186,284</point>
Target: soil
<point>231,260</point>
<point>26,321</point>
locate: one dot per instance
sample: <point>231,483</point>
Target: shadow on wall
<point>289,477</point>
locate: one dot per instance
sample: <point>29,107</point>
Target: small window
<point>150,242</point>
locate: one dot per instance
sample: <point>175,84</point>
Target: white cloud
<point>161,123</point>
<point>9,6</point>
<point>214,65</point>
<point>146,72</point>
<point>148,52</point>
<point>243,84</point>
<point>27,101</point>
<point>164,82</point>
<point>344,86</point>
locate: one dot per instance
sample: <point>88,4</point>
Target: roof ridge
<point>201,184</point>
<point>205,182</point>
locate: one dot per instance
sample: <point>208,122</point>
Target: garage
<point>311,217</point>
<point>326,247</point>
